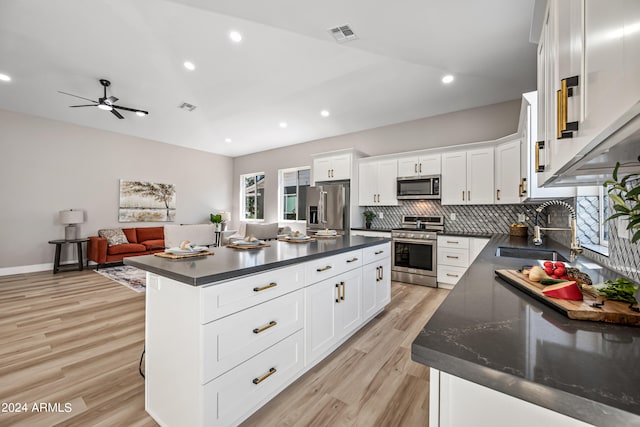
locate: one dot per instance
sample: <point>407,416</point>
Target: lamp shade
<point>226,216</point>
<point>72,216</point>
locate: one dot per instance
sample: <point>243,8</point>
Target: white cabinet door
<point>322,169</point>
<point>507,173</point>
<point>476,245</point>
<point>383,285</point>
<point>350,306</point>
<point>453,188</point>
<point>419,165</point>
<point>408,167</point>
<point>320,313</point>
<point>370,275</point>
<point>387,182</point>
<point>367,183</point>
<point>480,176</point>
<point>341,167</point>
<point>430,165</point>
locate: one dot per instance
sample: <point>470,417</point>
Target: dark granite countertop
<point>384,230</point>
<point>228,263</point>
<point>467,234</point>
<point>492,334</point>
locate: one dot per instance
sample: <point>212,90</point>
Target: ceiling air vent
<point>343,33</point>
<point>187,106</point>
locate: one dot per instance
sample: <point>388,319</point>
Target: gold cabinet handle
<point>539,165</point>
<point>565,128</point>
<point>453,241</point>
<point>381,273</point>
<point>451,256</point>
<point>265,376</point>
<point>262,288</point>
<point>415,167</point>
<point>452,275</point>
<point>522,188</point>
<point>420,167</point>
<point>378,252</point>
<point>378,274</point>
<point>354,259</point>
<point>325,268</point>
<point>559,107</point>
<point>338,292</point>
<point>497,194</point>
<point>463,195</point>
<point>469,196</point>
<point>265,327</point>
<point>342,287</point>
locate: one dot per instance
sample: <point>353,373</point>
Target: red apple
<point>547,264</point>
<point>564,290</point>
<point>559,264</point>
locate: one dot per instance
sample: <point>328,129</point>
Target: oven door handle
<point>427,242</point>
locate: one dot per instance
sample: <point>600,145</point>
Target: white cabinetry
<point>484,406</point>
<point>419,165</point>
<point>376,279</point>
<point>467,177</point>
<point>507,172</point>
<point>332,168</point>
<point>377,180</point>
<point>455,255</point>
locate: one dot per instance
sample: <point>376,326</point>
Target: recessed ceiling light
<point>447,79</point>
<point>235,36</point>
<point>227,140</point>
<point>5,78</point>
<point>283,125</point>
<point>189,66</point>
<point>141,113</point>
<point>325,113</point>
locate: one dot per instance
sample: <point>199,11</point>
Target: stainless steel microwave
<point>422,188</point>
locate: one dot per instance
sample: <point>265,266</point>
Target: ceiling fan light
<point>105,107</point>
<point>141,113</point>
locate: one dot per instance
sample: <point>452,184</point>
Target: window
<point>252,196</point>
<point>293,193</point>
<point>592,209</point>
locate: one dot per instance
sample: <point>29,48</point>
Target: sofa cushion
<point>126,248</point>
<point>150,233</point>
<point>153,244</point>
<point>114,236</point>
<point>131,235</point>
<point>262,231</point>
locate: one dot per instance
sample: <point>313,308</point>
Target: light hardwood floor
<point>75,338</point>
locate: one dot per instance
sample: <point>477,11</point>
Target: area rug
<point>131,277</point>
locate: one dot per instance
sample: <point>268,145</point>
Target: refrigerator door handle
<point>323,201</point>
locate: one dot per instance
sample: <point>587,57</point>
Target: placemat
<point>263,245</point>
<point>286,239</point>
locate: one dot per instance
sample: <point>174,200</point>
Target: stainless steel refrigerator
<point>328,207</point>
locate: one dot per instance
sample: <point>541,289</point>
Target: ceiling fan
<point>107,103</point>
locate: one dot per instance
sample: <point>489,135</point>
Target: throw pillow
<point>114,236</point>
<point>262,231</point>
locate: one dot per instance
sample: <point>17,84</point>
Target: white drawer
<point>324,268</point>
<point>227,298</point>
<point>449,274</point>
<point>232,395</point>
<point>230,341</point>
<point>454,257</point>
<point>453,242</point>
<point>374,253</point>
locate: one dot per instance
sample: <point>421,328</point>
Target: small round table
<point>59,243</point>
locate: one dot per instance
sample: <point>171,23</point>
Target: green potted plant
<point>625,195</point>
<point>368,218</point>
<point>217,220</point>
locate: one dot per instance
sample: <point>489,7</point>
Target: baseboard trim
<point>22,269</point>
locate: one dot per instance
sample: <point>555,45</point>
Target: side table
<point>59,243</point>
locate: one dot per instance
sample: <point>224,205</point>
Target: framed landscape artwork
<point>142,201</point>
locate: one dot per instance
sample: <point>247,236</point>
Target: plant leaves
<point>615,171</point>
<point>617,200</point>
<point>635,237</point>
<point>616,215</point>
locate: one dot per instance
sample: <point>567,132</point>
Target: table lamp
<point>71,218</point>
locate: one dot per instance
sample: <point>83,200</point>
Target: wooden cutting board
<point>262,245</point>
<point>610,312</point>
<point>180,256</point>
<point>285,239</point>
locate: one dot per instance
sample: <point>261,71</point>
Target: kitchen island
<point>225,333</point>
<point>500,357</point>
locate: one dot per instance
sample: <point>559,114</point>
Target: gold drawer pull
<point>497,194</point>
<point>452,275</point>
<point>378,252</point>
<point>262,288</point>
<point>452,241</point>
<point>265,376</point>
<point>354,259</point>
<point>451,256</point>
<point>342,286</point>
<point>539,165</point>
<point>338,296</point>
<point>265,327</point>
<point>325,268</point>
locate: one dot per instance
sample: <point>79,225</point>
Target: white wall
<point>473,125</point>
<point>47,166</point>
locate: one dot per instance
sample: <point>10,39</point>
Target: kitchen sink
<point>530,253</point>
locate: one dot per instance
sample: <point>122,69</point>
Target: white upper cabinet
<point>507,172</point>
<point>332,168</point>
<point>588,78</point>
<point>419,165</point>
<point>377,183</point>
<point>467,177</point>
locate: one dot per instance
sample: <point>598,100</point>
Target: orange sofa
<point>142,241</point>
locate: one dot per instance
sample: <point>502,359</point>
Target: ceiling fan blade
<point>85,105</point>
<point>81,97</point>
<point>135,110</point>
<point>118,115</point>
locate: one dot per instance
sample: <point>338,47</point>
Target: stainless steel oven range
<point>414,245</point>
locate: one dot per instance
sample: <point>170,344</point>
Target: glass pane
<point>259,203</point>
<point>249,207</point>
<point>606,213</point>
